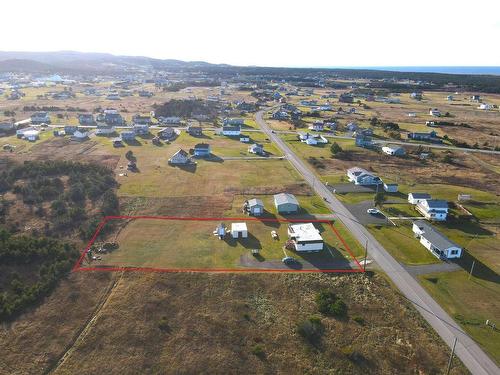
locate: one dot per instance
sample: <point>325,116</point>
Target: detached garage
<point>286,203</point>
<point>239,230</point>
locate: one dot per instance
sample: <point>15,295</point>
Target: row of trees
<point>69,187</point>
<point>44,261</point>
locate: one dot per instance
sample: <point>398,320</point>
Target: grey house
<point>286,203</point>
<point>254,207</point>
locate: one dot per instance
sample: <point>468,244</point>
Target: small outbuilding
<point>239,230</point>
<point>391,188</point>
<point>254,207</point>
<point>286,203</point>
<point>393,150</point>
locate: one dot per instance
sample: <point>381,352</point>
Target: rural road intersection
<point>472,356</point>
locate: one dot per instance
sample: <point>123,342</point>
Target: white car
<point>373,211</point>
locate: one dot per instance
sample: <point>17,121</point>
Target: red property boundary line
<point>77,267</point>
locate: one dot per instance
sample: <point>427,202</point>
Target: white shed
<point>239,230</point>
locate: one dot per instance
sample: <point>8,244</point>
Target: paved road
<point>473,357</point>
<point>413,144</point>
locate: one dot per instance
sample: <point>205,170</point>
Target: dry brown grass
<point>212,322</point>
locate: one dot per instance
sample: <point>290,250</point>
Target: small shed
<point>239,230</point>
<point>391,188</point>
<point>255,207</point>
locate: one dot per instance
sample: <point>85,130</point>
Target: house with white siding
<point>305,237</point>
<point>436,242</point>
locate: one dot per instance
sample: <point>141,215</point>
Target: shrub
<point>258,351</point>
<point>311,329</point>
<point>359,320</point>
<point>329,304</point>
<point>163,324</point>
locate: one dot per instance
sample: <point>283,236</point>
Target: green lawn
<point>471,303</point>
<point>191,244</point>
<point>402,244</point>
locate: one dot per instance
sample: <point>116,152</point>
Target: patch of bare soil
<point>194,206</point>
<point>298,189</point>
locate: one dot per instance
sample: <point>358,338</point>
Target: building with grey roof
<point>436,242</point>
<point>286,203</point>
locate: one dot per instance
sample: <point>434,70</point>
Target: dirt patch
<point>194,206</point>
<point>298,189</point>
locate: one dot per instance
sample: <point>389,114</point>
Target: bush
<point>258,351</point>
<point>329,304</point>
<point>311,329</point>
<point>359,320</point>
<point>163,324</point>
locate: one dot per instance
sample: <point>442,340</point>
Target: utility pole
<point>451,357</point>
<point>472,268</point>
<point>366,254</point>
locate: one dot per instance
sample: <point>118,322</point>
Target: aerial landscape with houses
<point>287,180</point>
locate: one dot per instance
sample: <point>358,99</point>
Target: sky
<point>312,33</point>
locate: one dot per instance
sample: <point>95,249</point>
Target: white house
<point>239,230</point>
<point>312,139</point>
<point>305,237</point>
<point>80,135</point>
<point>180,157</point>
<point>361,176</point>
<point>393,150</point>
<point>105,129</point>
<point>433,209</point>
<point>231,130</point>
<point>245,139</point>
<point>435,112</point>
<point>414,198</point>
<point>317,126</point>
<point>437,243</point>
<point>31,135</point>
<point>170,120</point>
<point>485,106</point>
<point>234,121</point>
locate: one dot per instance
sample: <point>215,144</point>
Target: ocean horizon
<point>492,70</point>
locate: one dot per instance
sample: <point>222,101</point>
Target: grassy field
<point>401,243</point>
<point>191,244</point>
<point>452,289</point>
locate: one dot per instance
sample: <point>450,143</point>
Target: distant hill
<point>72,61</point>
<point>23,65</point>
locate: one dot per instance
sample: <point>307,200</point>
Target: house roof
<point>434,236</point>
<point>436,203</point>
<point>420,195</point>
<point>284,198</point>
<point>202,146</point>
<point>239,227</point>
<point>255,202</point>
<point>231,128</point>
<point>357,171</point>
<point>305,232</point>
<point>181,152</point>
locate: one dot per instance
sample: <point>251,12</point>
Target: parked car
<point>373,211</point>
<point>288,260</point>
